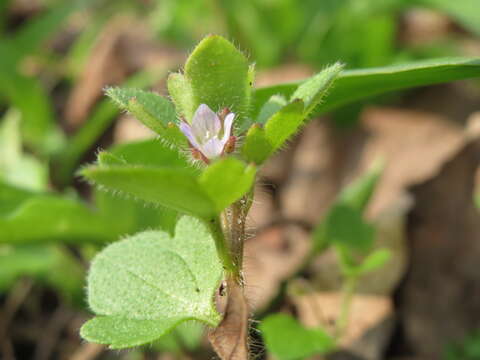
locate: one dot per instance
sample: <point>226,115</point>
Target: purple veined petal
<point>205,123</point>
<point>187,131</point>
<point>227,127</point>
<point>212,148</point>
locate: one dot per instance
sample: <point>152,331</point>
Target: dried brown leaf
<point>230,338</point>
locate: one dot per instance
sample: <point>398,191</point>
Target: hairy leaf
<point>314,89</point>
<point>256,148</point>
<point>143,286</point>
<point>226,181</point>
<point>284,124</point>
<point>153,110</point>
<point>274,104</point>
<point>218,74</point>
<point>180,90</point>
<point>174,188</point>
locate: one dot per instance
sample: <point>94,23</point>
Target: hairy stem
<point>223,249</point>
<point>238,218</point>
<point>230,338</point>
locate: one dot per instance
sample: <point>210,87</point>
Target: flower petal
<point>227,127</point>
<point>205,123</point>
<point>212,148</point>
<point>187,131</point>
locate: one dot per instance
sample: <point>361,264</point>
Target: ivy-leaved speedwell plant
<point>202,166</point>
<point>213,135</point>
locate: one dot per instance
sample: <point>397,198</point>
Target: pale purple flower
<point>206,133</point>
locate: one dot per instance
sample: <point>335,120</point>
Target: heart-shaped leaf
<point>143,286</point>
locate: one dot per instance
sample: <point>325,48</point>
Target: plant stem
<point>348,291</point>
<point>223,249</point>
<point>238,218</point>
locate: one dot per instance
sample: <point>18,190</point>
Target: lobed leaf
<point>143,286</point>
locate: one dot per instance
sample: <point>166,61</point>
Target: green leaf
<point>28,96</point>
<point>284,124</point>
<point>154,172</point>
<point>174,188</point>
<point>149,153</point>
<point>274,104</point>
<point>181,93</point>
<point>314,89</point>
<point>15,167</point>
<point>186,336</point>
<point>358,193</point>
<point>345,227</point>
<point>260,142</point>
<point>219,76</point>
<point>355,196</point>
<point>375,260</point>
<point>48,218</point>
<point>128,216</point>
<point>34,33</point>
<point>287,339</point>
<point>143,286</point>
<point>100,120</point>
<point>354,85</point>
<point>256,148</point>
<point>12,196</point>
<point>48,264</point>
<point>23,261</point>
<point>226,181</point>
<point>153,110</point>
